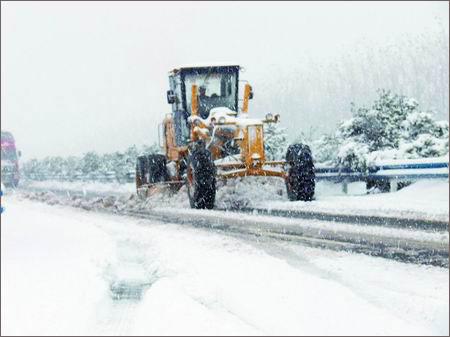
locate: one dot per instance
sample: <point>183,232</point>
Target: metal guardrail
<point>393,171</point>
<point>338,174</point>
<point>411,171</point>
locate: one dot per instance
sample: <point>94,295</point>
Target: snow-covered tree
<point>275,141</point>
<point>72,167</point>
<point>325,148</point>
<point>90,164</point>
<point>393,127</point>
<point>423,136</point>
<point>152,149</point>
<point>425,145</point>
<point>32,169</point>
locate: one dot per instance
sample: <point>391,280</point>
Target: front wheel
<point>201,179</point>
<point>300,180</point>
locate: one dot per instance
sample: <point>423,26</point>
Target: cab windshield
<point>214,90</point>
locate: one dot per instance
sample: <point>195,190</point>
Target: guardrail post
<point>393,185</point>
<point>345,186</point>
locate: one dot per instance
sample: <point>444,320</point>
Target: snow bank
<point>77,186</point>
<point>425,199</point>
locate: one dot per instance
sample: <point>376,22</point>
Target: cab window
<point>214,90</point>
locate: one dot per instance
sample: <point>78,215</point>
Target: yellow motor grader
<point>208,136</point>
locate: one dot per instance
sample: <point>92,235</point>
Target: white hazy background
<point>81,76</point>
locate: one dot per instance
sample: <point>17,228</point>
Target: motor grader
<point>208,136</point>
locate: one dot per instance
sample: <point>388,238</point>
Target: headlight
<point>269,117</point>
<point>222,120</point>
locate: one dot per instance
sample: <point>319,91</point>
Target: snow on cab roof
<point>205,65</point>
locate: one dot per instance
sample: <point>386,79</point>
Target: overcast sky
<point>80,76</point>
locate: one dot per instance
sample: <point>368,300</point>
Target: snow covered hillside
<point>67,271</point>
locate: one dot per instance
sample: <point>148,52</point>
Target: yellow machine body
<point>247,134</point>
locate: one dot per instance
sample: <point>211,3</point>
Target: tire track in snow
<point>399,244</point>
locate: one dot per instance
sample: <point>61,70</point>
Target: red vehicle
<point>9,160</point>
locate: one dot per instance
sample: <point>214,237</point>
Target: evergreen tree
<point>275,141</point>
<point>393,127</point>
<point>324,149</point>
<point>152,149</point>
<point>90,165</point>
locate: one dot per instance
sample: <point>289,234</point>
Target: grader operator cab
<point>208,136</point>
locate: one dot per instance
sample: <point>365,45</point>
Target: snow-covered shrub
<point>417,123</point>
<point>31,169</point>
<point>275,141</point>
<point>91,163</point>
<point>425,145</point>
<point>392,128</point>
<point>324,149</point>
<point>354,154</point>
<point>423,136</point>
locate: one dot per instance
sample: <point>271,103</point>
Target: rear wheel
<point>201,178</point>
<point>300,181</point>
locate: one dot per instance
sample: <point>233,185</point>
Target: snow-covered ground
<point>67,271</point>
<point>80,186</point>
<point>425,199</point>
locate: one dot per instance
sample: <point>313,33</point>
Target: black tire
<point>300,181</point>
<point>201,178</point>
<point>151,169</point>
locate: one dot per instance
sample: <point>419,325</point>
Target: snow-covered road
<point>68,271</point>
<point>405,239</point>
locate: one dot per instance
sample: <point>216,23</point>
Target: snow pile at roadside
<point>244,192</point>
<point>85,187</point>
<point>231,194</point>
<point>113,202</point>
<point>425,199</point>
<point>62,270</point>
